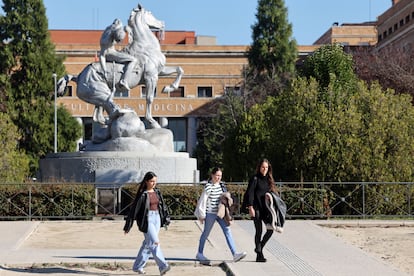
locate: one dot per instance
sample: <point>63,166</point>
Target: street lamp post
<point>55,140</point>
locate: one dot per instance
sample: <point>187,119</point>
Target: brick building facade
<point>396,26</point>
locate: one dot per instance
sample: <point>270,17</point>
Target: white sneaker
<point>202,259</point>
<point>140,271</point>
<point>238,256</point>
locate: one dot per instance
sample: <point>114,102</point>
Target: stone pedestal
<point>110,167</point>
<point>121,152</point>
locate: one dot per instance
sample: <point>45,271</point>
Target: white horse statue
<point>98,87</point>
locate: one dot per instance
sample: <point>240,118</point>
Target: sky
<point>229,21</point>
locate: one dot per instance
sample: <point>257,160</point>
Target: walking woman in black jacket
<point>151,213</point>
<point>260,184</point>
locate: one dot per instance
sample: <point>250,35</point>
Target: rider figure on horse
<point>113,34</point>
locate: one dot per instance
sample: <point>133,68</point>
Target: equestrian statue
<point>140,62</point>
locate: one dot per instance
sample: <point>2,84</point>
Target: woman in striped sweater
<point>206,212</point>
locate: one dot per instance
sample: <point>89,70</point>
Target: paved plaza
<point>100,248</point>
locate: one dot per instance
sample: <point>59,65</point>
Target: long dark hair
<point>143,184</point>
<point>269,175</point>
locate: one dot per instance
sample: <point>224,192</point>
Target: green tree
<point>272,55</point>
<point>14,164</point>
<point>215,132</point>
<point>311,131</point>
<point>342,146</point>
<point>272,58</point>
<point>27,62</point>
<point>367,137</point>
<point>330,127</point>
<point>330,65</point>
<point>387,134</point>
<point>247,143</point>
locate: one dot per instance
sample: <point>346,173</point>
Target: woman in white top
<point>206,212</point>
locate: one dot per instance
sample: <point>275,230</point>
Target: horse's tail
<point>63,83</point>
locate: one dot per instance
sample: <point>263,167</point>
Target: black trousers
<point>260,219</point>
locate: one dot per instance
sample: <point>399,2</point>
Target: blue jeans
<point>150,245</point>
<point>208,225</point>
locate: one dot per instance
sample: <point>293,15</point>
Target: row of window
<point>393,29</point>
<point>202,92</point>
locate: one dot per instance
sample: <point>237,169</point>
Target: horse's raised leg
<point>168,70</point>
<point>151,84</point>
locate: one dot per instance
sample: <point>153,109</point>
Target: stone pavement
<point>304,248</point>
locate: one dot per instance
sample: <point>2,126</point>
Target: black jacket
<point>139,211</point>
<point>255,194</point>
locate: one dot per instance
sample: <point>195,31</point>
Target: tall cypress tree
<point>272,55</point>
<point>27,62</point>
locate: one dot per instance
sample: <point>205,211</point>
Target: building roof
<point>94,36</point>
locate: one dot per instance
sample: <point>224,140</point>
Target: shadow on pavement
<point>49,270</point>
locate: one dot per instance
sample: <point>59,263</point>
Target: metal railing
<point>304,200</point>
<point>349,199</point>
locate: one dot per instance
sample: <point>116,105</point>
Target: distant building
<point>393,28</point>
<point>347,34</point>
<point>396,26</point>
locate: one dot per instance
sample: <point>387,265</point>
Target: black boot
<point>258,248</point>
<point>260,258</point>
